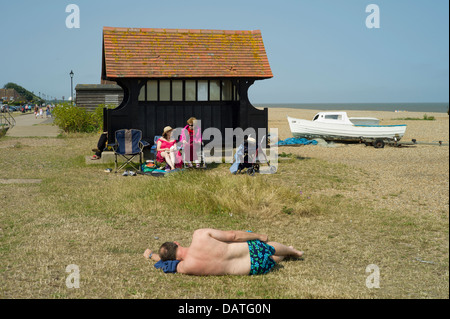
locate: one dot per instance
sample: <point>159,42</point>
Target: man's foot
<point>147,253</point>
<point>297,253</point>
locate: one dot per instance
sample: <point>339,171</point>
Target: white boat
<point>337,126</point>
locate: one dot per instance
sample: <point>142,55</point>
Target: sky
<point>320,51</point>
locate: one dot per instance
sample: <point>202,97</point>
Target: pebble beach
<point>414,178</point>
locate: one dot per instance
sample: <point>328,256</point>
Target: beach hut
<point>90,96</point>
<point>170,75</point>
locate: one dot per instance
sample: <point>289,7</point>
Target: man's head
<point>168,251</point>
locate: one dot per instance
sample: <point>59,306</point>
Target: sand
<point>415,178</point>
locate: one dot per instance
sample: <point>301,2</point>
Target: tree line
<point>29,96</point>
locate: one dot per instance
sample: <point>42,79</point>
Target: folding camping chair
<point>153,148</point>
<point>128,144</point>
<point>248,159</point>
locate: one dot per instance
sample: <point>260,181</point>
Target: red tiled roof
<point>168,53</point>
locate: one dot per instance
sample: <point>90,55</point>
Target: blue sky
<point>320,51</point>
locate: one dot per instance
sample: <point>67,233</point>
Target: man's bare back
<point>217,252</point>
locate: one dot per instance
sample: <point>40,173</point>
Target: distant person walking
<point>36,110</point>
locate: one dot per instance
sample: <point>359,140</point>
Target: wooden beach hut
<point>90,96</point>
<point>170,75</point>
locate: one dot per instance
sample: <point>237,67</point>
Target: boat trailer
<point>380,143</point>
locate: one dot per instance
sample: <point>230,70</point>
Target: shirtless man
<point>217,252</point>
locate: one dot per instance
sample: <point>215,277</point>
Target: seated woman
<point>166,149</point>
<point>191,140</point>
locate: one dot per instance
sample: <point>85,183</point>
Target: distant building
<point>170,75</point>
<point>9,95</point>
<point>90,96</point>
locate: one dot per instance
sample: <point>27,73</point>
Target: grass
<point>103,223</point>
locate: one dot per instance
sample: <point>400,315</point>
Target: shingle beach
<point>413,178</point>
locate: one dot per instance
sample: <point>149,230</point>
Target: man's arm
<point>235,235</point>
<point>180,268</point>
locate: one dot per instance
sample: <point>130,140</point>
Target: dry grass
<point>103,222</point>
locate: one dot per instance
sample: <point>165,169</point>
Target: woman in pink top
<point>191,140</point>
<point>166,148</point>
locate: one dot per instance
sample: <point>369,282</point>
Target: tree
<point>22,91</point>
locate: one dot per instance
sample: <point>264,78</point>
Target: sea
<point>393,107</point>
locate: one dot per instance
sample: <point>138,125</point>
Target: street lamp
<point>71,86</point>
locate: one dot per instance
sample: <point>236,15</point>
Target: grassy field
<point>57,211</point>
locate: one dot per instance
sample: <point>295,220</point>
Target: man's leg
<point>282,251</point>
<point>101,144</point>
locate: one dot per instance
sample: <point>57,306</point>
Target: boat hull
<point>344,132</point>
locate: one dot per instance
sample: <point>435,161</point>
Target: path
<point>29,126</point>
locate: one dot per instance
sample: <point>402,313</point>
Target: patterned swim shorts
<point>260,257</point>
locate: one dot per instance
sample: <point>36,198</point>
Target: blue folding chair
<point>153,148</point>
<point>128,144</point>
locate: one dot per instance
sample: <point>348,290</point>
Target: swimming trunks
<point>260,257</point>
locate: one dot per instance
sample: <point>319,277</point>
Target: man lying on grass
<point>217,252</point>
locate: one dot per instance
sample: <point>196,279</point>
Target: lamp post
<point>71,86</point>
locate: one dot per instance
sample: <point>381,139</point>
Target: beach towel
<point>168,266</point>
<point>297,141</point>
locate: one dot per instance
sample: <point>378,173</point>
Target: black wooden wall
<point>152,117</point>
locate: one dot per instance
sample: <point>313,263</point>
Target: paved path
<point>27,125</point>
